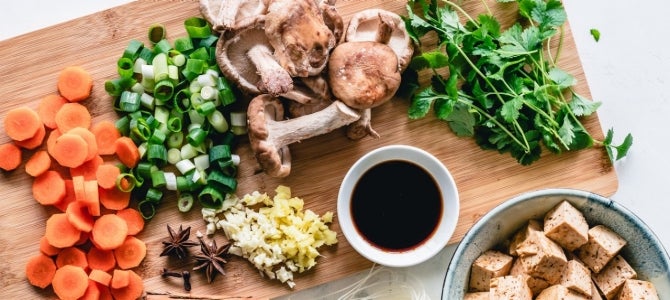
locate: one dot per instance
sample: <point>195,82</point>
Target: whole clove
<point>185,275</point>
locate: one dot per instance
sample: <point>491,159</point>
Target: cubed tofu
<point>577,277</point>
<point>603,245</point>
<point>488,265</point>
<point>523,234</point>
<point>535,284</point>
<point>638,290</point>
<point>510,288</point>
<point>559,292</point>
<point>595,293</point>
<point>547,263</point>
<point>566,225</point>
<point>612,277</point>
<point>477,296</point>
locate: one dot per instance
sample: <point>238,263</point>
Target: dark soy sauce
<point>396,205</point>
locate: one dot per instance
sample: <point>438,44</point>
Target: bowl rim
<point>480,223</point>
<point>450,206</point>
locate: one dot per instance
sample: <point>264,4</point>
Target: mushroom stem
<point>326,120</point>
<point>362,127</point>
<point>274,79</point>
<point>385,30</point>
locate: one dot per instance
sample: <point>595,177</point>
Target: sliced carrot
<point>75,83</point>
<point>51,139</point>
<point>120,279</point>
<point>106,135</point>
<point>131,253</point>
<point>40,270</point>
<point>101,259</point>
<point>34,141</point>
<point>114,198</point>
<point>132,291</point>
<point>109,232</point>
<point>48,107</point>
<point>70,282</point>
<point>72,256</point>
<point>106,175</point>
<point>70,150</point>
<point>72,115</point>
<point>60,233</point>
<point>46,248</point>
<point>100,277</point>
<point>127,151</point>
<point>78,184</point>
<point>83,238</point>
<point>69,196</point>
<point>133,219</point>
<point>39,163</point>
<point>88,136</point>
<point>105,293</point>
<point>92,197</point>
<point>10,156</point>
<point>88,168</point>
<point>49,188</point>
<point>92,291</point>
<point>79,216</point>
<point>22,123</point>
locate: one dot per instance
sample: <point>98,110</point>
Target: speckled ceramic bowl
<point>644,251</point>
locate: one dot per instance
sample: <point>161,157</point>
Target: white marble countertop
<point>628,70</point>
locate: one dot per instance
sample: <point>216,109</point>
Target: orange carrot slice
<point>106,135</point>
<point>91,197</point>
<point>22,123</point>
<point>70,282</point>
<point>34,141</point>
<point>100,277</point>
<point>46,248</point>
<point>132,291</point>
<point>48,107</point>
<point>75,83</point>
<point>127,151</point>
<point>79,216</point>
<point>10,156</point>
<point>114,198</point>
<point>51,139</point>
<point>90,141</point>
<point>40,270</point>
<point>120,279</point>
<point>105,293</point>
<point>88,168</point>
<point>72,115</point>
<point>60,233</point>
<point>70,150</point>
<point>49,188</point>
<point>109,232</point>
<point>133,219</point>
<point>106,175</point>
<point>39,163</point>
<point>92,291</point>
<point>131,253</point>
<point>69,196</point>
<point>101,259</point>
<point>72,256</point>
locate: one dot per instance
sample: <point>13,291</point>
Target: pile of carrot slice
<point>89,249</point>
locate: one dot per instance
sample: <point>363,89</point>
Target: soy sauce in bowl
<point>396,205</point>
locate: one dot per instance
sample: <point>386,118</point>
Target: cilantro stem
<point>488,9</point>
<point>495,121</point>
<point>459,8</point>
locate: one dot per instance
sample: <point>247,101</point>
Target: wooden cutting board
<point>31,62</point>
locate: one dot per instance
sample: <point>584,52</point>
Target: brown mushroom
<point>363,74</point>
<point>362,127</point>
<point>270,135</point>
<point>297,32</point>
<point>247,59</point>
<point>232,14</point>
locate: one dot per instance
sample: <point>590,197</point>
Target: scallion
<point>185,202</point>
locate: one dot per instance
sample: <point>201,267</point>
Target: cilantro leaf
<point>561,78</point>
<point>595,33</point>
<point>621,149</point>
<point>567,131</point>
<point>581,106</point>
<point>548,14</point>
<point>433,60</point>
<point>510,109</point>
<point>421,103</point>
<point>461,121</point>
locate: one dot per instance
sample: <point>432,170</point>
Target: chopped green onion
<point>160,66</point>
<point>117,86</point>
<point>196,136</point>
<point>201,162</point>
<point>156,33</point>
<point>147,101</point>
<point>137,88</point>
<point>208,93</point>
<point>200,53</point>
<point>209,42</point>
<point>219,152</point>
<point>170,181</point>
<point>129,178</point>
<point>123,125</point>
<point>144,169</point>
<point>139,129</point>
<point>173,156</point>
<point>176,139</point>
<point>184,166</point>
<point>182,101</point>
<point>125,66</point>
<point>164,89</point>
<point>158,179</point>
<point>206,108</point>
<point>210,197</point>
<point>197,28</point>
<point>193,68</point>
<point>218,121</point>
<point>183,44</point>
<point>147,209</point>
<point>129,101</point>
<point>158,137</point>
<point>157,154</point>
<point>188,151</point>
<point>179,60</point>
<point>154,195</point>
<point>163,46</point>
<point>133,49</point>
<point>222,182</point>
<point>185,202</point>
<point>146,54</point>
<point>238,122</point>
<point>174,125</point>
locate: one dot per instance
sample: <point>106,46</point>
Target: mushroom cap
<point>366,25</point>
<point>363,74</point>
<point>263,110</point>
<point>231,14</point>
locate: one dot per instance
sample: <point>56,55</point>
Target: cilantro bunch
<point>502,87</point>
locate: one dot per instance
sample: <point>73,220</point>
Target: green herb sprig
<point>503,87</point>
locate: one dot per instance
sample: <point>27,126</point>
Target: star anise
<point>179,243</point>
<point>212,259</point>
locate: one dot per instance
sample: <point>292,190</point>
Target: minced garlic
<point>278,238</point>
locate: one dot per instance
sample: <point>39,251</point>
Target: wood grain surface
<point>28,71</point>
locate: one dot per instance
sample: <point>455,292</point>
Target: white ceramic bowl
<point>644,251</point>
<point>444,228</point>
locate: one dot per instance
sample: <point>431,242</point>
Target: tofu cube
<point>613,276</point>
<point>558,291</point>
<point>522,235</point>
<point>603,245</point>
<point>577,277</point>
<point>638,290</point>
<point>566,226</point>
<point>488,265</point>
<point>535,284</point>
<point>477,296</point>
<point>543,258</point>
<point>510,288</point>
<point>595,294</point>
